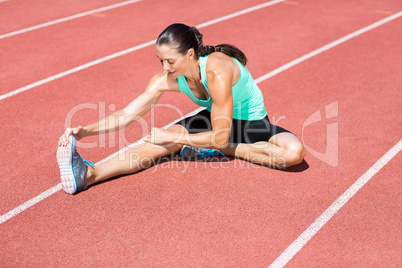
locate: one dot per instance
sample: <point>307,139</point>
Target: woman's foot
<point>73,168</point>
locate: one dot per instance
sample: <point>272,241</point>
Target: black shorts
<point>243,131</point>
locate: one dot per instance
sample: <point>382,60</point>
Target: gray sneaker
<point>73,168</point>
<point>189,152</point>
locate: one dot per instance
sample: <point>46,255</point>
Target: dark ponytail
<point>227,49</point>
<point>182,37</point>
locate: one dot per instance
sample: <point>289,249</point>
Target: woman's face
<point>174,63</point>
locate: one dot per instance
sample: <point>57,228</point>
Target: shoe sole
<point>64,159</point>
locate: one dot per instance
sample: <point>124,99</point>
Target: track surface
<point>224,212</point>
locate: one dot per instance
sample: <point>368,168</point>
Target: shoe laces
<point>206,151</point>
<point>89,163</point>
<point>209,152</point>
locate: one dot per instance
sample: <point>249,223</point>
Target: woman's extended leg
<point>133,160</point>
<point>282,150</point>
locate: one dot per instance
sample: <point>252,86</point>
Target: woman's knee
<point>294,153</point>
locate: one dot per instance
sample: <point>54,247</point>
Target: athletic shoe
<point>73,168</point>
<point>189,152</point>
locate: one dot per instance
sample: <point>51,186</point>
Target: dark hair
<point>182,37</point>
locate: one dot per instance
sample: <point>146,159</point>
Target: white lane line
<point>74,70</point>
<point>68,18</point>
<point>129,50</point>
<point>288,254</point>
<point>329,46</point>
<point>58,187</point>
<point>30,203</point>
<point>239,13</point>
<point>260,79</point>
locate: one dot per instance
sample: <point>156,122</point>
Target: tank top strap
<point>203,64</point>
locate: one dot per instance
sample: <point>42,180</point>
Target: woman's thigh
<point>254,131</point>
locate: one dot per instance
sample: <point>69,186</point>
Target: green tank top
<point>248,102</point>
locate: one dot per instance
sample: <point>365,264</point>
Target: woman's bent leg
<point>133,160</point>
<point>282,150</point>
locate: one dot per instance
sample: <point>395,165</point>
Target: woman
<point>235,122</point>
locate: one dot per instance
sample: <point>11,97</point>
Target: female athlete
<point>234,123</point>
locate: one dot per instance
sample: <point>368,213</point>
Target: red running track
<point>228,213</point>
<point>45,52</point>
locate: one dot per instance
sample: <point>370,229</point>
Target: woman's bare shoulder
<point>219,64</point>
<point>162,81</point>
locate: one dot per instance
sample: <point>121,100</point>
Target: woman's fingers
<point>147,138</point>
<point>63,141</point>
<point>159,136</point>
<point>77,132</point>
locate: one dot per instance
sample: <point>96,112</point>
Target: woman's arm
<point>220,85</point>
<point>122,118</point>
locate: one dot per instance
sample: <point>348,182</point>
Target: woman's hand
<point>160,136</point>
<point>78,133</point>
